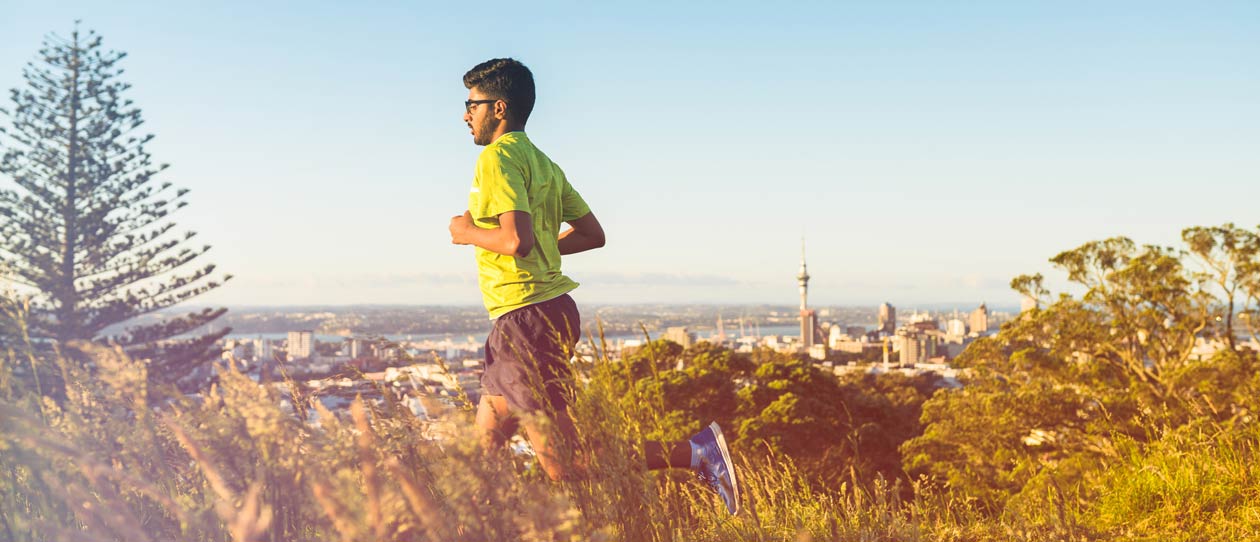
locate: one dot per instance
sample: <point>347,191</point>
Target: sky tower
<point>809,320</point>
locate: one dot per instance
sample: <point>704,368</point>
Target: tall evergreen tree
<point>84,223</point>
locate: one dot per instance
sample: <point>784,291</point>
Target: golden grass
<point>234,465</point>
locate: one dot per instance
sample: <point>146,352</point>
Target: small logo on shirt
<point>474,190</point>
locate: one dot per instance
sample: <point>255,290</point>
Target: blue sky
<point>928,151</point>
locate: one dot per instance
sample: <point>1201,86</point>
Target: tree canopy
<point>1051,402</point>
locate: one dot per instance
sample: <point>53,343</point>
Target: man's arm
<point>586,234</point>
<point>514,236</point>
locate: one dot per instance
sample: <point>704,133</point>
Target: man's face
<point>480,118</point>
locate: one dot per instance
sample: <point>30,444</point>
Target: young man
<point>518,200</point>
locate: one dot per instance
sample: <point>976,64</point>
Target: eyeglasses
<point>468,104</point>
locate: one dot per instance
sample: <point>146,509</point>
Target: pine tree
<point>84,224</point>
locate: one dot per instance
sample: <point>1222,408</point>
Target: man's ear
<point>500,110</point>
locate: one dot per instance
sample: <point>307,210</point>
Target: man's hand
<point>514,236</point>
<point>586,234</point>
<point>461,228</point>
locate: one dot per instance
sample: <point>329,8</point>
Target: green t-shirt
<point>513,175</point>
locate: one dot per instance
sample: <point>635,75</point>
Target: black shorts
<point>528,352</point>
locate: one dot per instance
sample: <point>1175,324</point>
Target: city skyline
<point>929,154</point>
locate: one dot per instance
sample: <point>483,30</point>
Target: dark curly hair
<point>508,80</point>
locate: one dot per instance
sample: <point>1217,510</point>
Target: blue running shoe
<point>712,461</point>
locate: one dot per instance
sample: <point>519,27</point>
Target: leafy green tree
<point>685,388</point>
<point>882,412</point>
<point>1152,308</point>
<point>845,429</point>
<point>837,430</point>
<point>1020,413</point>
<point>86,227</point>
<point>794,407</point>
<point>1230,260</point>
<point>1045,401</point>
<point>651,358</point>
<point>711,357</point>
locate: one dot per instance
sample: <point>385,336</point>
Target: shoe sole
<point>730,467</point>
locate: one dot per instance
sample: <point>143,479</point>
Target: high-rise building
<point>917,346</point>
<point>680,335</point>
<point>358,348</point>
<point>262,350</point>
<point>809,328</point>
<point>911,351</point>
<point>301,344</point>
<point>887,318</point>
<point>979,320</point>
<point>834,337</point>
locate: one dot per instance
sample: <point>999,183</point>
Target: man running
<point>518,201</point>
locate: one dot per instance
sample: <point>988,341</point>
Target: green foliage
<point>836,430</point>
<point>686,389</point>
<point>792,408</point>
<point>1201,478</point>
<point>989,443</point>
<point>1229,261</point>
<point>881,413</point>
<point>1052,404</point>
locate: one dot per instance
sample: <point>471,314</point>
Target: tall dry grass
<point>237,464</point>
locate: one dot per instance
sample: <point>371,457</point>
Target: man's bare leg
<point>495,422</point>
<point>659,455</point>
<point>549,437</point>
